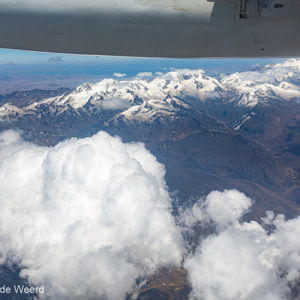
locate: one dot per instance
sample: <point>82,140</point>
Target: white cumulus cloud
<point>144,74</point>
<point>85,218</point>
<point>241,260</point>
<point>120,75</point>
<point>89,217</point>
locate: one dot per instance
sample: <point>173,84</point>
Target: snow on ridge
<point>280,80</point>
<point>9,112</point>
<point>165,94</point>
<point>271,73</point>
<point>177,83</point>
<point>250,97</point>
<point>293,62</point>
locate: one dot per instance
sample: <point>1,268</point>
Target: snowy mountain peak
<point>274,81</point>
<point>84,87</point>
<point>175,85</point>
<point>168,94</point>
<point>291,63</point>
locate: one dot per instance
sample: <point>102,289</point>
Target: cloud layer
<point>241,260</point>
<point>87,217</point>
<point>114,103</point>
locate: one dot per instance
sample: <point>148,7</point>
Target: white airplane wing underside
<point>153,28</point>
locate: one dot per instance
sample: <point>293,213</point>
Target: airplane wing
<point>153,28</point>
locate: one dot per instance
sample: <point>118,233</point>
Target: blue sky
<point>23,70</point>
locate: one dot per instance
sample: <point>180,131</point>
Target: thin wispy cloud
<point>55,59</point>
<point>114,103</point>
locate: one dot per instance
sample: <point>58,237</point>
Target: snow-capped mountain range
<point>165,95</point>
<point>274,81</point>
<point>137,99</point>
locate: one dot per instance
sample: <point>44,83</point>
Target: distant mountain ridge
<point>142,99</point>
<point>167,91</point>
<point>138,99</point>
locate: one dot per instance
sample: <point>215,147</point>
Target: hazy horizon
<point>26,70</point>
